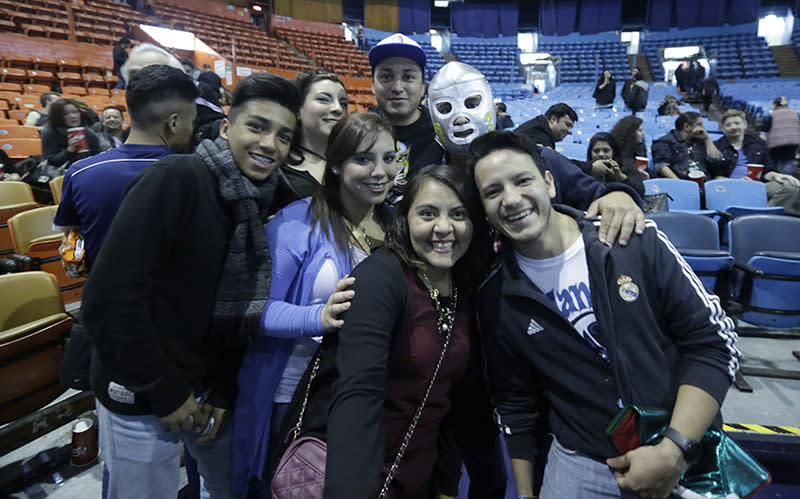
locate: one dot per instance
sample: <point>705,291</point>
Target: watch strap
<point>688,446</point>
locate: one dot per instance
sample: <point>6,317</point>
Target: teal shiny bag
<point>724,468</point>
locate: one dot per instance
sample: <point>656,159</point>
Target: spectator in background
<point>503,118</point>
<point>111,132</point>
<point>209,107</point>
<point>628,86</point>
<point>188,67</point>
<point>206,67</point>
<point>739,148</point>
<point>684,77</point>
<point>551,127</point>
<point>38,118</point>
<point>685,149</point>
<point>605,90</point>
<point>362,43</point>
<point>698,75</point>
<point>161,105</point>
<point>637,94</point>
<point>59,147</point>
<point>783,134</point>
<point>147,54</point>
<point>629,135</point>
<point>709,88</point>
<point>604,155</point>
<point>669,106</point>
<point>120,58</point>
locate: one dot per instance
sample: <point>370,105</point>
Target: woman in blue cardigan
<point>313,244</point>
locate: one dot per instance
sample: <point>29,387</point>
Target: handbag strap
<point>295,431</point>
<point>445,326</point>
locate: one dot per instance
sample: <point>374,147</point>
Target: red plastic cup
<point>84,443</point>
<point>699,177</point>
<point>641,163</point>
<point>83,145</point>
<point>754,171</point>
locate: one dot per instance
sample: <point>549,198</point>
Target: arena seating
<point>739,55</point>
<point>498,60</point>
<point>584,61</point>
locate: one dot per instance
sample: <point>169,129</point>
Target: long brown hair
<point>353,134</point>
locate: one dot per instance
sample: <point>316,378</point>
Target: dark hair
<point>43,98</point>
<point>124,40</point>
<point>353,134</point>
<point>501,106</point>
<point>500,140</point>
<point>560,110</point>
<point>470,268</point>
<point>265,86</point>
<point>603,72</point>
<point>115,108</point>
<point>208,84</point>
<point>638,76</point>
<point>153,90</point>
<point>624,132</point>
<point>684,118</point>
<point>603,137</point>
<point>55,118</point>
<point>184,60</point>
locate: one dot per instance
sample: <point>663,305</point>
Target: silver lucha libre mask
<point>460,102</point>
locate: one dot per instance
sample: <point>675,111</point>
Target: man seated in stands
<point>739,148</point>
<point>161,104</point>
<point>146,54</point>
<point>552,127</point>
<point>110,131</point>
<point>177,291</point>
<point>38,118</point>
<point>685,151</point>
<point>656,338</point>
<point>503,120</point>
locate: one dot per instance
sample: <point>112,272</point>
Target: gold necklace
<point>446,314</point>
<point>365,243</point>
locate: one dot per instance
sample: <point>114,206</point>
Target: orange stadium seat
<point>19,61</point>
<point>19,115</point>
<point>94,80</point>
<point>70,78</point>
<point>33,88</point>
<point>10,87</point>
<point>97,91</point>
<point>41,76</point>
<point>28,102</point>
<point>6,121</point>
<point>18,149</point>
<point>10,98</point>
<point>15,197</point>
<point>73,91</point>
<point>45,64</point>
<point>69,65</point>
<point>18,132</point>
<point>13,75</point>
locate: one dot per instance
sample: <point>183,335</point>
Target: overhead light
<point>257,8</point>
<point>441,3</point>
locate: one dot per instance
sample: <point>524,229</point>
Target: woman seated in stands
<point>604,156</point>
<point>409,331</point>
<point>605,90</point>
<point>669,106</point>
<point>314,243</point>
<point>324,104</point>
<point>59,145</point>
<point>629,134</point>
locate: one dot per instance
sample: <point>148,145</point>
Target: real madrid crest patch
<point>628,290</point>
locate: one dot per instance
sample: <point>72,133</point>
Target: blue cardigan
<point>298,251</point>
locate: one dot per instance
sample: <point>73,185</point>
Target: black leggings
<point>782,154</point>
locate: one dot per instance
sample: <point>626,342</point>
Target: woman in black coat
<point>58,146</point>
<point>605,90</point>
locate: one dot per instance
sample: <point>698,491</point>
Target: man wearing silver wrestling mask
<point>460,103</point>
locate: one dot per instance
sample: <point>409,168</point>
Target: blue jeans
<point>143,459</point>
<point>571,474</point>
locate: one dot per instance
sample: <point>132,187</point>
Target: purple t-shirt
<point>740,170</point>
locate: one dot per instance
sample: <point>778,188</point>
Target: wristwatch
<point>692,450</point>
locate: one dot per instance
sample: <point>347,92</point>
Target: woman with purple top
<point>314,243</point>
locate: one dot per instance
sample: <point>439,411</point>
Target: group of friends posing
<point>389,237</point>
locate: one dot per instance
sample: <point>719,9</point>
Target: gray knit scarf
<point>244,286</point>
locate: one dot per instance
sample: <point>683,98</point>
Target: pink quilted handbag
<point>301,471</point>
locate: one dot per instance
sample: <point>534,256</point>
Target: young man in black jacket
<point>178,290</point>
<point>575,329</point>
